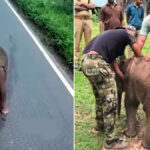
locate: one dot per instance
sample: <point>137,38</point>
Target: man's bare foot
<point>5,110</point>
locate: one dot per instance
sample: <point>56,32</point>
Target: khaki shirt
<point>82,13</point>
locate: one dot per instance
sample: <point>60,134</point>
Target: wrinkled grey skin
<point>120,89</point>
<point>137,90</point>
<point>3,77</point>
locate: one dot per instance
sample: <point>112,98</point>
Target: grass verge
<point>56,23</point>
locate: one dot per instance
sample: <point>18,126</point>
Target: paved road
<point>41,108</point>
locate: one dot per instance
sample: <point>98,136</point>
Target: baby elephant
<point>137,90</point>
<point>3,80</point>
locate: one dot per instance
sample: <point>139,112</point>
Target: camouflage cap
<point>129,27</point>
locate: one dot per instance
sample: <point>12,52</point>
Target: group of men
<point>99,57</point>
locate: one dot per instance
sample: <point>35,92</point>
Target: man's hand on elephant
<point>117,70</point>
<point>84,5</point>
<point>147,57</point>
<point>120,74</point>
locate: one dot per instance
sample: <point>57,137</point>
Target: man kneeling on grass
<point>98,57</point>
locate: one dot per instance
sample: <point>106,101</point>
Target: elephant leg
<point>146,141</point>
<point>3,95</point>
<point>120,90</point>
<point>119,103</point>
<point>3,100</point>
<point>131,108</point>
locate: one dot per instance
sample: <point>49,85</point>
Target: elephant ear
<point>123,64</point>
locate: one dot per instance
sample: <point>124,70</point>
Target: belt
<point>93,52</point>
<point>83,18</point>
<point>91,55</point>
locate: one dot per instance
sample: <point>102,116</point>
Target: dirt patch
<point>82,116</point>
<point>136,142</point>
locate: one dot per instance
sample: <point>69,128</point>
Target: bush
<point>56,23</point>
<point>66,5</point>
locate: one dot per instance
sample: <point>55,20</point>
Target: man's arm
<point>121,17</point>
<point>122,23</point>
<point>141,41</point>
<point>144,32</point>
<point>101,20</point>
<point>80,8</point>
<point>101,26</point>
<point>117,69</point>
<point>136,50</point>
<point>88,6</point>
<point>133,44</point>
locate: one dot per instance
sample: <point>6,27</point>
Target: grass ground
<point>85,107</point>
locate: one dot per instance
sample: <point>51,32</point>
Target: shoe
<point>98,128</point>
<point>76,66</point>
<point>118,144</point>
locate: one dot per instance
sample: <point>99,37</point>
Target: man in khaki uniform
<point>83,24</point>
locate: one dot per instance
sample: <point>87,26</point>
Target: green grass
<point>55,21</point>
<point>85,107</point>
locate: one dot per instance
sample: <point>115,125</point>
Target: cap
<point>129,27</point>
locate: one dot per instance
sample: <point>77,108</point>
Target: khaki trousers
<point>81,26</point>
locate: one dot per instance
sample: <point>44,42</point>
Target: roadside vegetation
<point>85,139</point>
<point>55,19</point>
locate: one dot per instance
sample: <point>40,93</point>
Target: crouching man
<point>99,56</point>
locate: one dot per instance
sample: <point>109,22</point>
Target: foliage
<point>57,24</point>
<point>66,5</point>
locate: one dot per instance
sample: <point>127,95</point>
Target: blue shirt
<point>135,16</point>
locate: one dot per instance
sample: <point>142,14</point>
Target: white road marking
<point>41,48</point>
